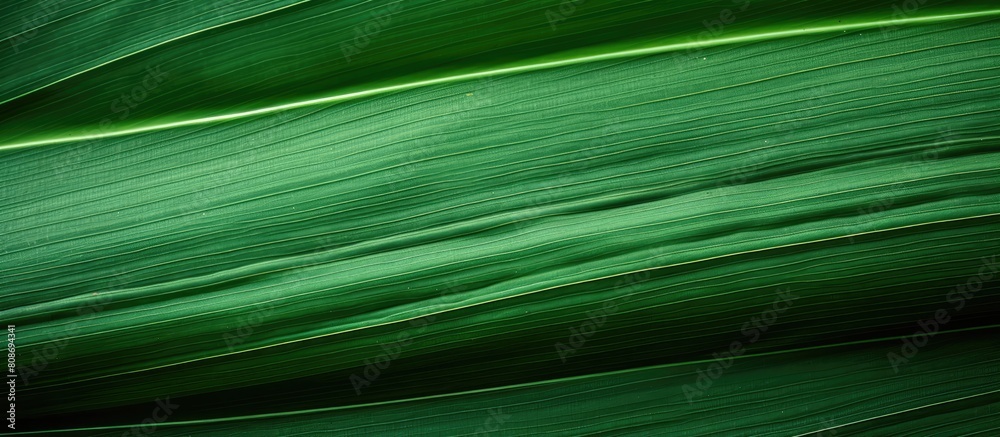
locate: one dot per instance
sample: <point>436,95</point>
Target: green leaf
<point>561,212</point>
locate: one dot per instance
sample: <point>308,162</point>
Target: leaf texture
<point>538,226</point>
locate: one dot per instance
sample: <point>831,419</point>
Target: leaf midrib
<point>516,69</point>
